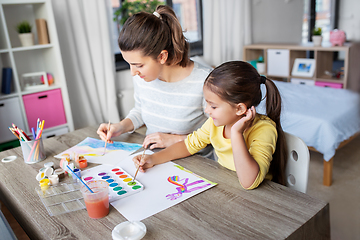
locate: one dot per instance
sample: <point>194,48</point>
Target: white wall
<point>349,19</point>
<point>277,21</point>
<point>124,92</point>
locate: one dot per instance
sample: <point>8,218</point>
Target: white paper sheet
<point>159,193</point>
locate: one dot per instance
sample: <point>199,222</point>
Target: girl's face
<point>219,110</point>
<point>146,67</point>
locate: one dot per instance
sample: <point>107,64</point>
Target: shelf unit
<point>31,59</point>
<point>323,56</point>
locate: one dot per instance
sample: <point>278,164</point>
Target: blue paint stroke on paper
<point>96,143</point>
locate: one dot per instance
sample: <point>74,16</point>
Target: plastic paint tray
<point>121,183</point>
<point>62,198</point>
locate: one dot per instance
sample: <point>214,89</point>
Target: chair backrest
<point>297,168</point>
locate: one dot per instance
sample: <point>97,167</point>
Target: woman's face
<point>146,67</point>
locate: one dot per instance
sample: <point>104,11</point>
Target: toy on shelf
<point>337,37</point>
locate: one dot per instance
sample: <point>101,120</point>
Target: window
<point>319,13</point>
<point>189,13</point>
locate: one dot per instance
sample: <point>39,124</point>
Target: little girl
<point>244,141</point>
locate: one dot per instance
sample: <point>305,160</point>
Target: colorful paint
<point>121,183</point>
<point>183,186</point>
<point>95,147</point>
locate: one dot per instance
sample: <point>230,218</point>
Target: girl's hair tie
<point>262,79</point>
<point>157,14</point>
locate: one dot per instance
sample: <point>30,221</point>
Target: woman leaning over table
<point>168,86</point>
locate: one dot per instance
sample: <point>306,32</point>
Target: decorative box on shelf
<point>328,84</point>
<point>47,105</point>
<point>36,80</point>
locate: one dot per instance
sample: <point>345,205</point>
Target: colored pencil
<point>21,132</point>
<point>33,132</point>
<point>16,135</point>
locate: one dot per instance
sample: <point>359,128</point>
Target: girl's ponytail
<point>273,111</point>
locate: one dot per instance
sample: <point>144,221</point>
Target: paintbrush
<point>108,129</point>
<point>137,170</point>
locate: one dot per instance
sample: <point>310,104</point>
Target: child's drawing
<point>183,188</point>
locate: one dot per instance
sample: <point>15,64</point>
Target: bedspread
<point>321,117</point>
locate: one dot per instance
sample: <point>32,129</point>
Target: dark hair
<point>239,82</point>
<point>151,34</point>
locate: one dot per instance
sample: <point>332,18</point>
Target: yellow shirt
<point>260,140</point>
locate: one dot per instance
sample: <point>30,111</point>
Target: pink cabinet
<point>47,105</point>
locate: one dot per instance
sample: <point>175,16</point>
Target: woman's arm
<point>162,140</point>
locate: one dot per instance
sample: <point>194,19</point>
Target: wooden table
<point>225,211</point>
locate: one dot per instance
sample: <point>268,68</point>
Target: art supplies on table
<point>165,185</point>
<point>121,183</point>
<point>32,149</point>
<point>62,198</point>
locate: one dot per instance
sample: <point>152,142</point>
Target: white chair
<point>297,168</point>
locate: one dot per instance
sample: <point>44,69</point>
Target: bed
<point>324,118</point>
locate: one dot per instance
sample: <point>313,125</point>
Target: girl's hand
<point>244,122</point>
<point>161,140</point>
<point>144,163</point>
<point>106,135</point>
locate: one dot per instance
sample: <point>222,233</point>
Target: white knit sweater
<point>176,108</point>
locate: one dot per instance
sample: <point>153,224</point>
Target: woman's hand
<point>161,140</point>
<point>244,122</point>
<point>116,129</point>
<point>144,163</point>
<point>106,134</point>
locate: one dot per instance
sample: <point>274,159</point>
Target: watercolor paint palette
<point>121,183</point>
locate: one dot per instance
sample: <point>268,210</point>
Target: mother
<point>168,86</point>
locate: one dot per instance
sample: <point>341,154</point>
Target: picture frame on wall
<point>303,67</point>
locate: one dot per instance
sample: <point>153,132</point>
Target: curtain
<point>85,41</point>
<point>227,28</point>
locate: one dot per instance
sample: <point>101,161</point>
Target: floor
<point>343,195</point>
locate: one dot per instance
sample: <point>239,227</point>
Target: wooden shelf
<point>323,56</point>
<point>31,59</point>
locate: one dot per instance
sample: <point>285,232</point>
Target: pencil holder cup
<point>33,151</point>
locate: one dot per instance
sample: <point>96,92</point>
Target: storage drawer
<point>53,133</point>
<point>278,62</point>
<point>303,81</point>
<point>10,113</point>
<point>47,106</point>
<point>328,84</point>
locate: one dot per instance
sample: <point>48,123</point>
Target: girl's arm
<point>175,151</point>
<point>247,169</point>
